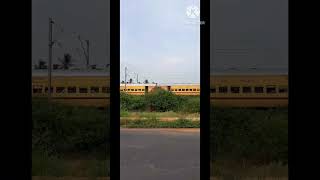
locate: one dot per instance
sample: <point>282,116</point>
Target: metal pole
<point>50,58</point>
<point>137,79</point>
<point>125,78</point>
<point>88,55</point>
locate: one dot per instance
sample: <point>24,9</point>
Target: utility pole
<point>125,78</point>
<point>50,58</point>
<point>88,55</point>
<point>137,79</point>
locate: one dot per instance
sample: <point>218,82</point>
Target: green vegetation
<point>62,135</point>
<point>156,123</point>
<point>154,110</point>
<point>168,114</point>
<point>249,141</point>
<point>160,101</point>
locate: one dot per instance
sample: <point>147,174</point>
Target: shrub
<point>190,104</point>
<point>132,103</point>
<point>260,136</point>
<point>59,128</point>
<point>161,100</point>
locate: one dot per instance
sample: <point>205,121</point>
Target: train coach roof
<point>71,73</point>
<point>249,71</point>
<point>160,84</point>
<point>150,84</point>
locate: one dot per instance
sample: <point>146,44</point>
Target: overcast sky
<point>158,41</point>
<point>89,18</point>
<point>249,33</point>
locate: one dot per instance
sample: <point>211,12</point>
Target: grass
<point>156,123</point>
<point>167,119</point>
<point>146,114</point>
<point>249,142</point>
<point>236,170</point>
<point>69,140</point>
<point>54,166</point>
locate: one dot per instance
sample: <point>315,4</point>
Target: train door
<point>146,90</point>
<point>169,88</point>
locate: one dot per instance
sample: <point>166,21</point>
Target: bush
<point>61,129</point>
<point>260,136</point>
<point>190,104</point>
<point>161,100</point>
<point>131,102</point>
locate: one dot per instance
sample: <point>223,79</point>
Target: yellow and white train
<point>93,89</point>
<point>249,90</point>
<point>76,88</point>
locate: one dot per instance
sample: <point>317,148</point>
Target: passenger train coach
<point>249,90</point>
<point>93,89</point>
<point>75,88</point>
<point>178,89</point>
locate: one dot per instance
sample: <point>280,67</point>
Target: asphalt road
<point>159,154</point>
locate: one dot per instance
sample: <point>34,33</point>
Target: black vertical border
<point>16,122</point>
<point>205,89</point>
<point>114,89</point>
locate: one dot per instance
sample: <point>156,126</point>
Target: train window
<point>283,89</point>
<point>190,89</point>
<point>194,89</point>
<point>105,89</point>
<point>46,89</point>
<point>223,89</point>
<point>271,89</point>
<point>83,90</point>
<point>198,89</point>
<point>258,89</point>
<point>246,89</point>
<point>179,89</point>
<point>235,89</point>
<point>121,89</point>
<point>213,90</point>
<point>37,89</point>
<point>60,89</point>
<point>72,89</point>
<point>136,90</point>
<point>187,89</point>
<point>183,89</point>
<point>94,89</point>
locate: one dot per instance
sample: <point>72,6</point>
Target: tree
<point>66,62</point>
<point>41,64</point>
<point>85,50</point>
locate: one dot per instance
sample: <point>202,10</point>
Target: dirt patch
<point>162,130</point>
<point>164,119</point>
